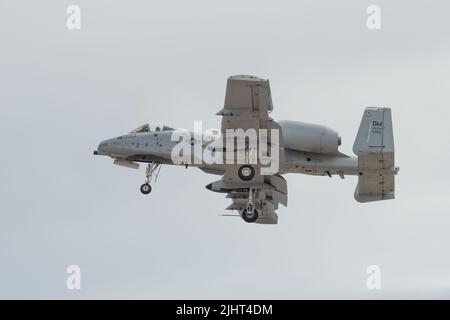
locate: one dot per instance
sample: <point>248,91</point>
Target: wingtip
<point>246,77</point>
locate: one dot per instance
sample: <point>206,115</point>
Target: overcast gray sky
<point>133,62</point>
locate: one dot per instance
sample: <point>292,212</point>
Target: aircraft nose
<point>103,148</point>
<point>102,145</point>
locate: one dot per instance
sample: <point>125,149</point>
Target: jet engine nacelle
<point>309,137</point>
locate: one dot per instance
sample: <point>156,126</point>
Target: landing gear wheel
<point>246,172</point>
<point>250,215</point>
<point>146,188</point>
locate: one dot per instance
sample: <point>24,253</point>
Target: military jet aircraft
<point>295,147</point>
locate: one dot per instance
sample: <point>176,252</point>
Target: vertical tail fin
<point>374,146</point>
<point>375,133</point>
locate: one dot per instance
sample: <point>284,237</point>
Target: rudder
<point>374,146</point>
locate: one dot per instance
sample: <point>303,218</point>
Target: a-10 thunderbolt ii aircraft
<point>253,179</point>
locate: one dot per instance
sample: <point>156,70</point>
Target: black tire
<point>251,216</point>
<point>246,173</point>
<point>146,188</point>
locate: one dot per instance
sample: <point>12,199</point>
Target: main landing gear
<point>146,188</point>
<point>250,214</point>
<point>246,172</point>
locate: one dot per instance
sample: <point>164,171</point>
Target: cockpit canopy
<point>151,127</point>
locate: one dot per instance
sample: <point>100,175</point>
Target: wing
<point>248,102</point>
<point>246,97</point>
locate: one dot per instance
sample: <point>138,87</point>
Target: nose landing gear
<point>146,188</point>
